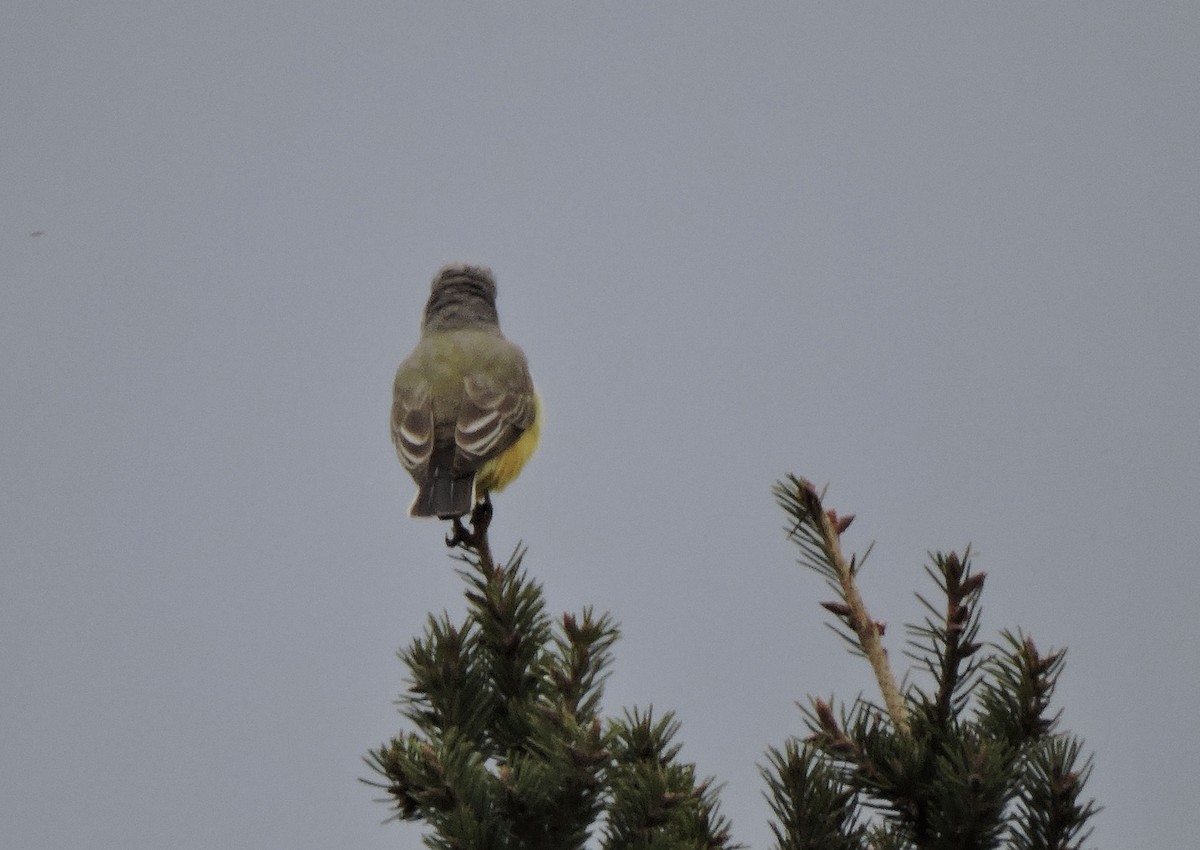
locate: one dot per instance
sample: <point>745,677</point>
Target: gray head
<point>461,296</point>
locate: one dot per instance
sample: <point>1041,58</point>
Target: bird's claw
<point>481,518</point>
<point>458,535</point>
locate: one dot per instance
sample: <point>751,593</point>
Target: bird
<point>465,415</point>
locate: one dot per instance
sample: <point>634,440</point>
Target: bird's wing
<point>412,423</point>
<point>492,416</point>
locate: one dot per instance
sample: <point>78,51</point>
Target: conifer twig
<point>869,631</point>
<point>818,531</point>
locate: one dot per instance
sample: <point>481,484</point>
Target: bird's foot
<point>458,536</point>
<point>476,538</point>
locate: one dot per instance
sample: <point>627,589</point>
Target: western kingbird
<point>465,416</point>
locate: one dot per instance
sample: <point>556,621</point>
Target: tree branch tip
<point>973,584</point>
<point>825,714</point>
<point>840,524</point>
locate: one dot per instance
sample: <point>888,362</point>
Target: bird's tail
<point>444,495</point>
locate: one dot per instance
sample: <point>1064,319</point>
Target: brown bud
<point>825,716</point>
<point>839,608</point>
<point>1067,782</point>
<point>973,584</point>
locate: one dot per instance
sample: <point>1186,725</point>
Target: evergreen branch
<point>817,532</point>
<point>582,656</point>
<point>1050,814</point>
<point>510,749</point>
<point>965,805</point>
<point>1014,701</point>
<point>656,801</point>
<point>813,808</point>
<point>557,775</point>
<point>888,768</point>
<point>445,682</point>
<point>946,643</point>
<point>883,836</point>
<point>441,785</point>
<point>552,788</point>
<point>512,629</point>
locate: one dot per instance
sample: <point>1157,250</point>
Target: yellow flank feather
<point>502,470</point>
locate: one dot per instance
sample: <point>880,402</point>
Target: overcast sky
<point>941,257</point>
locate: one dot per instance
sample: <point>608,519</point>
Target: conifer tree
<point>508,748</point>
<point>972,759</point>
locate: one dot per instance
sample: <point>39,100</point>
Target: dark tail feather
<point>444,495</point>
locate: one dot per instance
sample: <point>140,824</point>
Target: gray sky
<point>942,257</point>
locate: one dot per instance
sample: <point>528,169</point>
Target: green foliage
<point>978,762</point>
<point>1051,815</point>
<point>656,801</point>
<point>813,808</point>
<point>509,750</point>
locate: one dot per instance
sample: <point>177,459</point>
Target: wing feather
<point>491,418</point>
<point>412,425</point>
